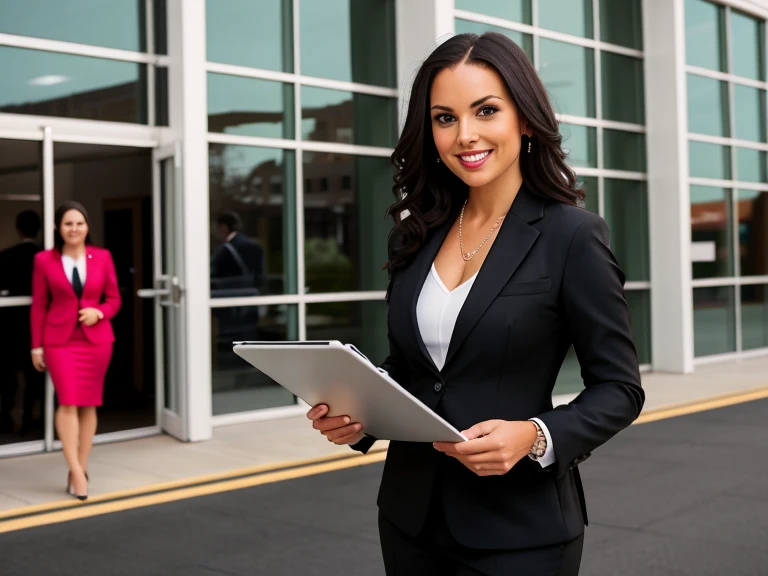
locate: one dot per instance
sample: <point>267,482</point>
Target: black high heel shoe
<point>71,488</point>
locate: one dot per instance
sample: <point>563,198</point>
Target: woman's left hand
<point>493,447</point>
<point>89,316</point>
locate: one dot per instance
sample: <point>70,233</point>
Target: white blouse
<point>70,264</point>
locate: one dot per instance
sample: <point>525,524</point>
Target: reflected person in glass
<point>494,273</point>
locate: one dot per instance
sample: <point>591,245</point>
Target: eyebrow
<point>475,103</point>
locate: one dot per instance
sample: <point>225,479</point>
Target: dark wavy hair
<point>430,191</point>
<point>65,207</point>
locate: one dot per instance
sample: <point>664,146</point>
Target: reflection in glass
<point>707,106</point>
<point>714,320</point>
<point>623,92</point>
<point>589,185</point>
<point>747,46</point>
<point>248,33</point>
<point>569,378</point>
<point>711,232</point>
<point>345,230</point>
<point>749,112</point>
<point>253,194</point>
<point>753,232</point>
<point>568,73</point>
<point>348,118</point>
<point>363,324</point>
<point>624,150</point>
<point>580,143</point>
<point>238,386</point>
<point>109,24</point>
<point>639,304</point>
<point>162,113</point>
<point>525,41</point>
<point>51,84</point>
<point>751,165</point>
<point>351,41</point>
<point>626,212</point>
<point>754,316</point>
<point>567,16</point>
<point>250,107</point>
<point>517,10</point>
<point>709,160</point>
<point>621,23</point>
<point>705,34</point>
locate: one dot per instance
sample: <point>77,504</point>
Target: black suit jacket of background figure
<point>549,281</point>
<point>16,268</point>
<point>225,264</point>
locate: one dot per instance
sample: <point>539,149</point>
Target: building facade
<point>178,123</point>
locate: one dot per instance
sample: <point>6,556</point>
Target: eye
<point>444,118</point>
<point>487,111</point>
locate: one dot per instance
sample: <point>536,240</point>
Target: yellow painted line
<point>86,511</point>
<point>702,405</point>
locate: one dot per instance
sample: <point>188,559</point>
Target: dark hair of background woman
<point>65,207</point>
<point>431,192</point>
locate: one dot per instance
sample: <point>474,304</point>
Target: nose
<point>467,134</point>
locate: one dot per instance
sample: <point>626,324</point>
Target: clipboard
<point>339,375</point>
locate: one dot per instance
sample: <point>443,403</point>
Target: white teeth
<point>475,157</point>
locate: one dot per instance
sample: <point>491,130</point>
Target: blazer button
<point>438,387</point>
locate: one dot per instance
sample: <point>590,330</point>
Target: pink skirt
<point>77,370</point>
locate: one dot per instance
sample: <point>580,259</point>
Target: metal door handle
<point>153,293</point>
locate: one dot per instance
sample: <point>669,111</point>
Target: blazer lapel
<point>516,238</point>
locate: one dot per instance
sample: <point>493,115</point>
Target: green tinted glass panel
<point>621,23</point>
<point>351,40</point>
<point>711,232</point>
<point>623,98</point>
<point>714,320</point>
<point>580,143</point>
<point>626,212</point>
<point>639,304</point>
<point>709,160</point>
<point>250,107</point>
<point>589,185</point>
<point>569,379</point>
<point>705,34</point>
<point>54,84</point>
<point>624,150</point>
<point>336,116</point>
<point>754,316</point>
<point>753,232</point>
<point>749,112</point>
<point>567,16</point>
<point>517,10</point>
<point>707,106</point>
<point>525,41</point>
<point>109,24</point>
<point>247,33</point>
<point>751,165</point>
<point>362,324</point>
<point>747,46</point>
<point>568,72</point>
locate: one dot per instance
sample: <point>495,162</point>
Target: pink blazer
<point>54,310</point>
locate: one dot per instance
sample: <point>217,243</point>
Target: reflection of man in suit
<point>238,255</point>
<point>16,280</point>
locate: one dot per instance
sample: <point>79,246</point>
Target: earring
<point>438,159</point>
<point>529,144</point>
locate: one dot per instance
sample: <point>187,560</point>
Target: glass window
<point>348,118</point>
<point>711,232</point>
<point>162,113</point>
<point>349,40</point>
<point>238,386</point>
<point>623,92</point>
<point>624,150</point>
<point>252,193</point>
<point>517,10</point>
<point>250,107</point>
<point>51,84</point>
<point>345,228</point>
<point>709,160</point>
<point>580,143</point>
<point>705,34</point>
<point>749,112</point>
<point>160,15</point>
<point>248,33</point>
<point>754,316</point>
<point>747,46</point>
<point>714,320</point>
<point>707,106</point>
<point>639,304</point>
<point>621,23</point>
<point>589,185</point>
<point>753,232</point>
<point>567,16</point>
<point>362,324</point>
<point>569,378</point>
<point>525,41</point>
<point>109,24</point>
<point>751,165</point>
<point>568,72</point>
<point>626,212</point>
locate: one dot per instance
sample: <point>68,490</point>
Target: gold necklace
<point>469,255</point>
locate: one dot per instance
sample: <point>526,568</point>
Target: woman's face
<point>475,125</point>
<point>73,228</point>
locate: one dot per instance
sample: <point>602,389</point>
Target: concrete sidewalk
<point>39,479</point>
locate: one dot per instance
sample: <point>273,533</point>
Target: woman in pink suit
<point>74,297</point>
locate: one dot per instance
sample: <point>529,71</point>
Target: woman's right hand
<point>337,429</point>
<point>37,360</point>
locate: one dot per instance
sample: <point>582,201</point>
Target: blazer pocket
<point>521,288</point>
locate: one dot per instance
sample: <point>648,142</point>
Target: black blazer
<point>549,281</point>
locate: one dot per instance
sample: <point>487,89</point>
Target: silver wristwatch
<point>539,447</point>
